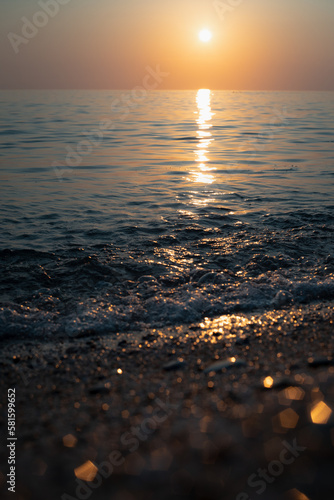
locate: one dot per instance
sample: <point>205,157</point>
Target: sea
<point>123,211</point>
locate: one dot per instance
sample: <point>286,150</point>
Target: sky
<point>108,44</point>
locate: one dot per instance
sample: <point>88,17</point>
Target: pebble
<point>176,364</point>
<point>99,389</point>
<point>279,383</point>
<point>242,341</point>
<point>321,361</point>
<point>226,363</point>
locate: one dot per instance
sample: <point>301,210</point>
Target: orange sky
<point>105,44</point>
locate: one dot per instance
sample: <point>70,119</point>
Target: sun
<point>205,35</point>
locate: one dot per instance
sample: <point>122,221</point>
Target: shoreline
<point>83,399</point>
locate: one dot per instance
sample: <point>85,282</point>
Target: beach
<point>158,417</point>
<point>166,250</point>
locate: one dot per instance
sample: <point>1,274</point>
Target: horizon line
<point>162,90</point>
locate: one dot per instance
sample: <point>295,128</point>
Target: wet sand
<point>153,414</point>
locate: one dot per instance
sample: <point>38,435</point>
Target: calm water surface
<point>185,205</point>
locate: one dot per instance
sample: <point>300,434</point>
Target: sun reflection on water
<point>203,100</point>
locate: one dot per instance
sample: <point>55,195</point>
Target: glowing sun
<point>205,35</point>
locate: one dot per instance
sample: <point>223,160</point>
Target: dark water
<point>185,205</point>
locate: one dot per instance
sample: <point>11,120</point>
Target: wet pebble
<point>279,383</point>
<point>320,361</point>
<point>225,364</point>
<point>99,389</point>
<point>176,364</point>
<point>242,341</point>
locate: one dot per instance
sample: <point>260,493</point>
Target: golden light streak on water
<point>203,100</point>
